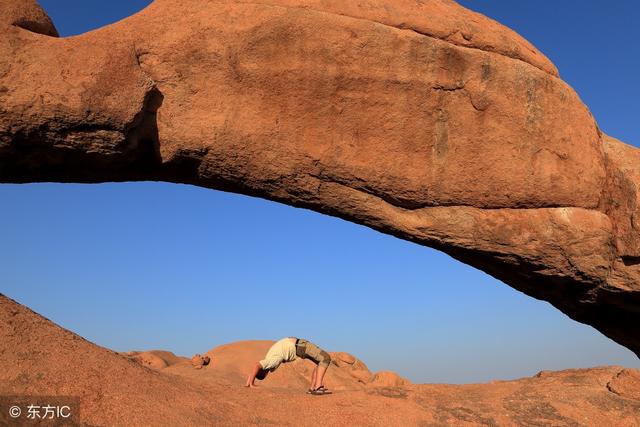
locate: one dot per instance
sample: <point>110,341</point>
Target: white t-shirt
<point>282,351</point>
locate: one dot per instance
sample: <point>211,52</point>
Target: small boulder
<point>198,361</point>
<point>150,360</point>
<point>341,358</point>
<point>388,379</point>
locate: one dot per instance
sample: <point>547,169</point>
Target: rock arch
<point>422,120</point>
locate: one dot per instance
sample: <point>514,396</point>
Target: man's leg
<point>322,360</point>
<point>314,375</point>
<point>319,372</point>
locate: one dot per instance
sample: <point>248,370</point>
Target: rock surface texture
<point>420,119</point>
<point>120,389</point>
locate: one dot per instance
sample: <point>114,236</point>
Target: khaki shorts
<point>308,350</point>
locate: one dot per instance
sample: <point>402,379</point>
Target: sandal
<point>318,392</point>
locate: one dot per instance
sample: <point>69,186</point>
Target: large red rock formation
<point>422,119</point>
<point>38,358</point>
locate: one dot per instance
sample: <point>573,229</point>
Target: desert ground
<point>157,387</point>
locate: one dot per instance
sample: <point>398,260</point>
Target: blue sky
<point>153,265</point>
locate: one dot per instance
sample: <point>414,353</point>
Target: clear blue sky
<point>154,265</point>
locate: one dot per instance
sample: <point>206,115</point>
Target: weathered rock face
<point>419,119</point>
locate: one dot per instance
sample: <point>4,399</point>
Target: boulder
<point>199,362</point>
<point>388,379</point>
<point>155,359</point>
<point>340,358</point>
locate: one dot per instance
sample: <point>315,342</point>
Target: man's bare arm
<point>252,376</point>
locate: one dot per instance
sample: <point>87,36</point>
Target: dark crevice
<point>142,139</point>
<point>610,387</point>
<point>45,28</point>
<point>631,260</point>
<point>184,167</point>
<point>449,87</point>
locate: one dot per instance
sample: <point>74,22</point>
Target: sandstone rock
<point>388,379</point>
<point>626,384</point>
<point>235,360</point>
<point>40,358</point>
<point>198,362</point>
<point>356,368</point>
<point>340,358</point>
<point>150,360</point>
<point>360,371</point>
<point>27,14</point>
<point>155,359</point>
<point>418,119</point>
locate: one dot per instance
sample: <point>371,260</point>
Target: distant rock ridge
<point>422,120</point>
<point>235,359</point>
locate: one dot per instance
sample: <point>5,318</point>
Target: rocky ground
<point>39,357</point>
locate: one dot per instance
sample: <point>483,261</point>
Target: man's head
<point>262,374</point>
